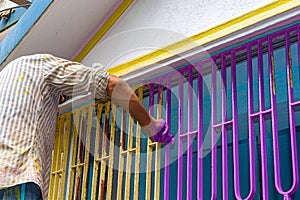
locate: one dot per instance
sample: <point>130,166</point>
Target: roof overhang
<point>63,29</point>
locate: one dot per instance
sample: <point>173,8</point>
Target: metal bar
<point>73,156</point>
<point>54,160</point>
<point>149,147</point>
<point>158,146</point>
<point>111,152</point>
<point>129,158</point>
<point>252,163</point>
<point>103,164</point>
<point>96,150</point>
<point>288,194</point>
<point>65,153</point>
<point>200,134</point>
<point>261,113</point>
<point>57,188</point>
<point>180,131</point>
<point>79,155</point>
<point>224,130</point>
<point>225,124</point>
<point>189,188</point>
<point>187,134</point>
<point>167,148</point>
<point>121,155</point>
<point>137,155</point>
<point>214,185</point>
<point>89,120</point>
<point>263,147</point>
<point>298,33</point>
<point>235,138</point>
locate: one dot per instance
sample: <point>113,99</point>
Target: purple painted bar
<point>200,134</point>
<point>235,129</point>
<point>151,98</point>
<point>235,138</point>
<point>224,131</point>
<point>167,148</point>
<point>180,130</point>
<point>263,145</point>
<point>264,112</point>
<point>151,103</point>
<point>225,124</point>
<point>294,158</point>
<point>298,32</point>
<point>214,184</point>
<point>251,127</point>
<point>189,188</point>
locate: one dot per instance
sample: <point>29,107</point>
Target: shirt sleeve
<point>73,78</point>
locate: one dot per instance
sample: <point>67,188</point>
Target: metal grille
<point>224,113</point>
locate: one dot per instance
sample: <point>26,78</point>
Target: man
<point>29,97</point>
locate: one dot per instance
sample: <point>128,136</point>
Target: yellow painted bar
<point>104,153</point>
<point>78,167</point>
<point>129,158</point>
<point>56,188</point>
<point>53,167</point>
<point>65,153</point>
<point>149,168</point>
<point>137,155</point>
<point>96,151</point>
<point>73,157</point>
<point>158,149</point>
<point>121,158</point>
<point>111,152</point>
<point>89,120</point>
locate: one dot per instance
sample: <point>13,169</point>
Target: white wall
<point>152,24</point>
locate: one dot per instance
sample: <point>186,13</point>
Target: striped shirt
<point>29,97</point>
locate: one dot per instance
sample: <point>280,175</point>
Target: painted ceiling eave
<point>63,28</point>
